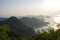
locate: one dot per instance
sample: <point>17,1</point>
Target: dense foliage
<point>50,35</point>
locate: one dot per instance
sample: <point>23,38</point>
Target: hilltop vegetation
<point>16,28</point>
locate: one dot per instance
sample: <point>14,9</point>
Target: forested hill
<point>34,22</point>
<point>19,27</point>
<point>13,27</point>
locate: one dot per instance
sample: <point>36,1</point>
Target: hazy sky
<point>29,7</point>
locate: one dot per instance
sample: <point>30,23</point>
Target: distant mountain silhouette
<point>34,22</point>
<point>3,19</point>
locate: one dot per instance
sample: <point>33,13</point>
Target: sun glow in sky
<point>52,4</point>
<point>29,7</point>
